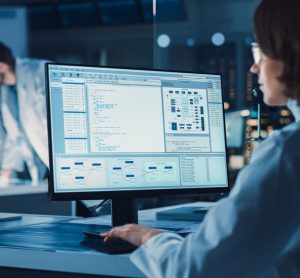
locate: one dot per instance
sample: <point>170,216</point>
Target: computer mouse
<point>116,246</point>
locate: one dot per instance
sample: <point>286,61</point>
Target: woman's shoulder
<point>287,135</point>
<point>283,141</point>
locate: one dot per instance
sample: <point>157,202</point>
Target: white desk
<point>39,263</point>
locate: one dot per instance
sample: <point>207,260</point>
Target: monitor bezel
<point>95,195</point>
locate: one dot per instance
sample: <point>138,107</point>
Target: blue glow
<point>190,42</point>
<point>163,41</point>
<point>248,40</point>
<point>218,39</point>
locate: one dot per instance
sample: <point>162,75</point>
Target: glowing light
<point>190,42</point>
<point>218,39</point>
<point>285,113</point>
<point>252,122</point>
<point>226,105</point>
<point>154,8</point>
<point>245,113</point>
<point>163,40</point>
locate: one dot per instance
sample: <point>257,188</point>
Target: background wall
<point>13,29</point>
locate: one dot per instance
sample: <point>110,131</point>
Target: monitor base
<point>183,214</point>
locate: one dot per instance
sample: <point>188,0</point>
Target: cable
<point>99,205</point>
<point>255,93</point>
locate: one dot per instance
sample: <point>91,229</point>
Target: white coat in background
<point>28,136</point>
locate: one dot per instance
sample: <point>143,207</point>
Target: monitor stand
<point>9,217</point>
<point>124,211</point>
<point>184,213</point>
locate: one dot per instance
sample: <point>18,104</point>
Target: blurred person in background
<point>23,140</point>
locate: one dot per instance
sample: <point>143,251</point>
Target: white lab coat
<point>31,132</point>
<point>255,232</point>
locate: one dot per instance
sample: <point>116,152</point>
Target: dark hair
<point>277,30</point>
<point>6,56</point>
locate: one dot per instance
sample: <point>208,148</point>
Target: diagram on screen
<point>185,111</point>
<point>144,171</point>
<point>81,173</point>
<point>124,172</point>
<point>161,171</point>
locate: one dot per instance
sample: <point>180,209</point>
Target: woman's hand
<point>132,233</point>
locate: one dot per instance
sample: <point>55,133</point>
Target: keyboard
<point>65,236</point>
<point>51,236</point>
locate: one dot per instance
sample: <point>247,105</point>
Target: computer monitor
<point>130,133</point>
<point>235,124</point>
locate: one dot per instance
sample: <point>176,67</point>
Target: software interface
<point>117,129</point>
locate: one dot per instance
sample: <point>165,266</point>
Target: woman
<point>255,232</point>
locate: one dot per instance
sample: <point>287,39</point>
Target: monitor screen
<point>235,123</point>
<point>116,131</point>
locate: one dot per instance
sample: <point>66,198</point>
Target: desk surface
<point>23,189</point>
<point>85,262</point>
